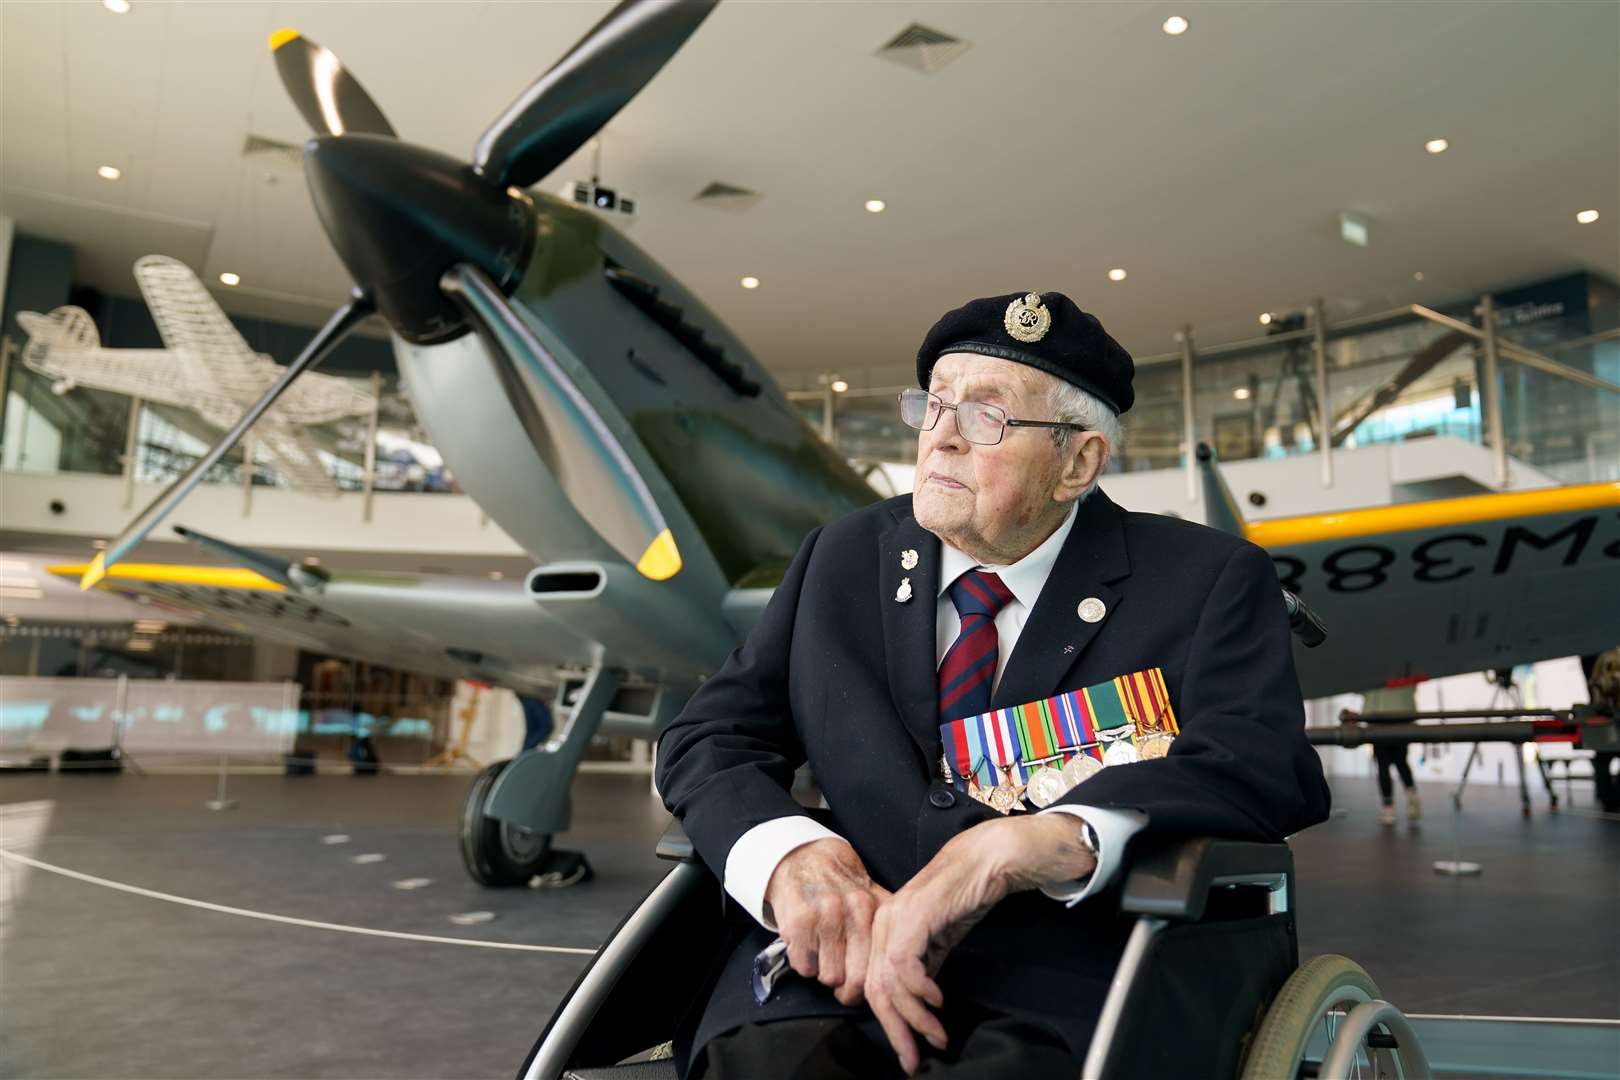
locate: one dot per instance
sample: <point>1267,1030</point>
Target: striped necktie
<point>969,668</point>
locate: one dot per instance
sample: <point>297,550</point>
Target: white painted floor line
<point>1516,1019</point>
<point>288,919</point>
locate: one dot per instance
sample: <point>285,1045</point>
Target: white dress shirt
<point>754,857</point>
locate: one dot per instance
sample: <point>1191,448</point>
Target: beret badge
<point>1027,318</point>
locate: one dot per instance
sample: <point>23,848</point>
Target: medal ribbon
<point>1010,743</point>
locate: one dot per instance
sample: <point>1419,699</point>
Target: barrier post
<point>219,801</point>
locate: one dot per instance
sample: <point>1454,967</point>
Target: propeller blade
<point>330,99</point>
<point>345,319</point>
<point>585,89</point>
<point>577,444</point>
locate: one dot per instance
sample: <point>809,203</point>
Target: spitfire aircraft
<point>206,367</point>
<point>635,448</point>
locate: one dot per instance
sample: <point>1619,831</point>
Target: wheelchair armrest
<point>675,845</point>
<point>1172,878</point>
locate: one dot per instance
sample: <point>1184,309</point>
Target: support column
<point>1189,433</point>
<point>1324,399</point>
<point>1491,393</point>
<point>131,442</point>
<point>369,482</point>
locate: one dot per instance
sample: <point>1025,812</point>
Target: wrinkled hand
<point>823,903</point>
<point>919,925</point>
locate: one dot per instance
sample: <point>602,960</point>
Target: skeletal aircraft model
<point>630,443</point>
<point>206,366</point>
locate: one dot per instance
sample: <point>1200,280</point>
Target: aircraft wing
<point>515,634</point>
<point>1420,590</point>
<point>187,317</point>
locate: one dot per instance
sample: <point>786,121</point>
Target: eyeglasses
<point>975,420</point>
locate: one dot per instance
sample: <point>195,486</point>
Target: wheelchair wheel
<point>1303,1021</point>
<point>498,853</point>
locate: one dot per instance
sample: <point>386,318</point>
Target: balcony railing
<point>1546,393</point>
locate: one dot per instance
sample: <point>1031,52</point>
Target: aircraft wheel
<point>498,853</point>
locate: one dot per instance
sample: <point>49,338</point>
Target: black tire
<point>498,854</point>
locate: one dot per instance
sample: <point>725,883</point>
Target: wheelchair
<point>1213,947</point>
<point>1209,983</point>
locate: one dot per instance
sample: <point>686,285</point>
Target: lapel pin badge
<point>908,559</point>
<point>1092,609</point>
<point>903,593</point>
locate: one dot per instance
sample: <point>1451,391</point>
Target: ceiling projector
<point>622,206</point>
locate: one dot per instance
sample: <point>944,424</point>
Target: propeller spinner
<point>435,246</point>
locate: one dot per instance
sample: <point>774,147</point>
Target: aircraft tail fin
<point>1220,508</point>
<point>68,328</point>
<point>294,576</point>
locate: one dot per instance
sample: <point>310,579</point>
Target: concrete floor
<point>97,982</point>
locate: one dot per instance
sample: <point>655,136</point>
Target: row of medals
<point>1048,783</point>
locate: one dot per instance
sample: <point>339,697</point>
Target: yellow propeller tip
<point>97,571</point>
<point>662,559</point>
<point>281,37</point>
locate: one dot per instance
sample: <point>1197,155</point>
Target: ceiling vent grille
<point>923,49</point>
<point>727,197</point>
<point>273,152</point>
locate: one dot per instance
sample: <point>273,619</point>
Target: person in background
<point>1603,682</point>
<point>536,721</point>
<point>1388,757</point>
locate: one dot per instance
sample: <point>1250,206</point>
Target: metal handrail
<point>1518,353</point>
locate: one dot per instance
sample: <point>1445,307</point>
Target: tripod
<point>1505,694</point>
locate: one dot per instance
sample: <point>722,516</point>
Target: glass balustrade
<point>53,428</point>
<point>1405,374</point>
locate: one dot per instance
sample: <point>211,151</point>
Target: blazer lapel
<point>1055,635</point>
<point>909,628</point>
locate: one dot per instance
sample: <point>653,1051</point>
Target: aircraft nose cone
<point>401,215</point>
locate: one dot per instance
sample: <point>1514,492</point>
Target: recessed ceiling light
<point>838,386</point>
<point>1265,318</point>
<point>1175,26</point>
<point>750,282</point>
<point>876,206</point>
<point>1586,217</point>
<point>1417,276</point>
<point>1436,146</point>
<point>1116,274</point>
<point>1241,393</point>
<point>496,575</point>
<point>109,172</point>
<point>228,278</point>
<point>117,7</point>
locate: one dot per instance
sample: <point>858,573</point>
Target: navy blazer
<point>842,675</point>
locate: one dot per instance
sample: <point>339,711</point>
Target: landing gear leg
<point>515,807</point>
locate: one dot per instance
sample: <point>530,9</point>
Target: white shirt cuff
<point>1113,828</point>
<point>753,858</point>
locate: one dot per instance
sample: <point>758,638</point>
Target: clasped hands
<point>866,943</point>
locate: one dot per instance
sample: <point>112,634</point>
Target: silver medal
<point>1121,753</point>
<point>1046,786</point>
<point>1080,768</point>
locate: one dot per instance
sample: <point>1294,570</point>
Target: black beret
<point>1048,331</point>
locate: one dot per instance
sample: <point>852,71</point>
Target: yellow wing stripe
<point>1405,517</point>
<point>219,577</point>
<point>281,37</point>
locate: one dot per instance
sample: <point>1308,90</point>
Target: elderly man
<point>939,915</point>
